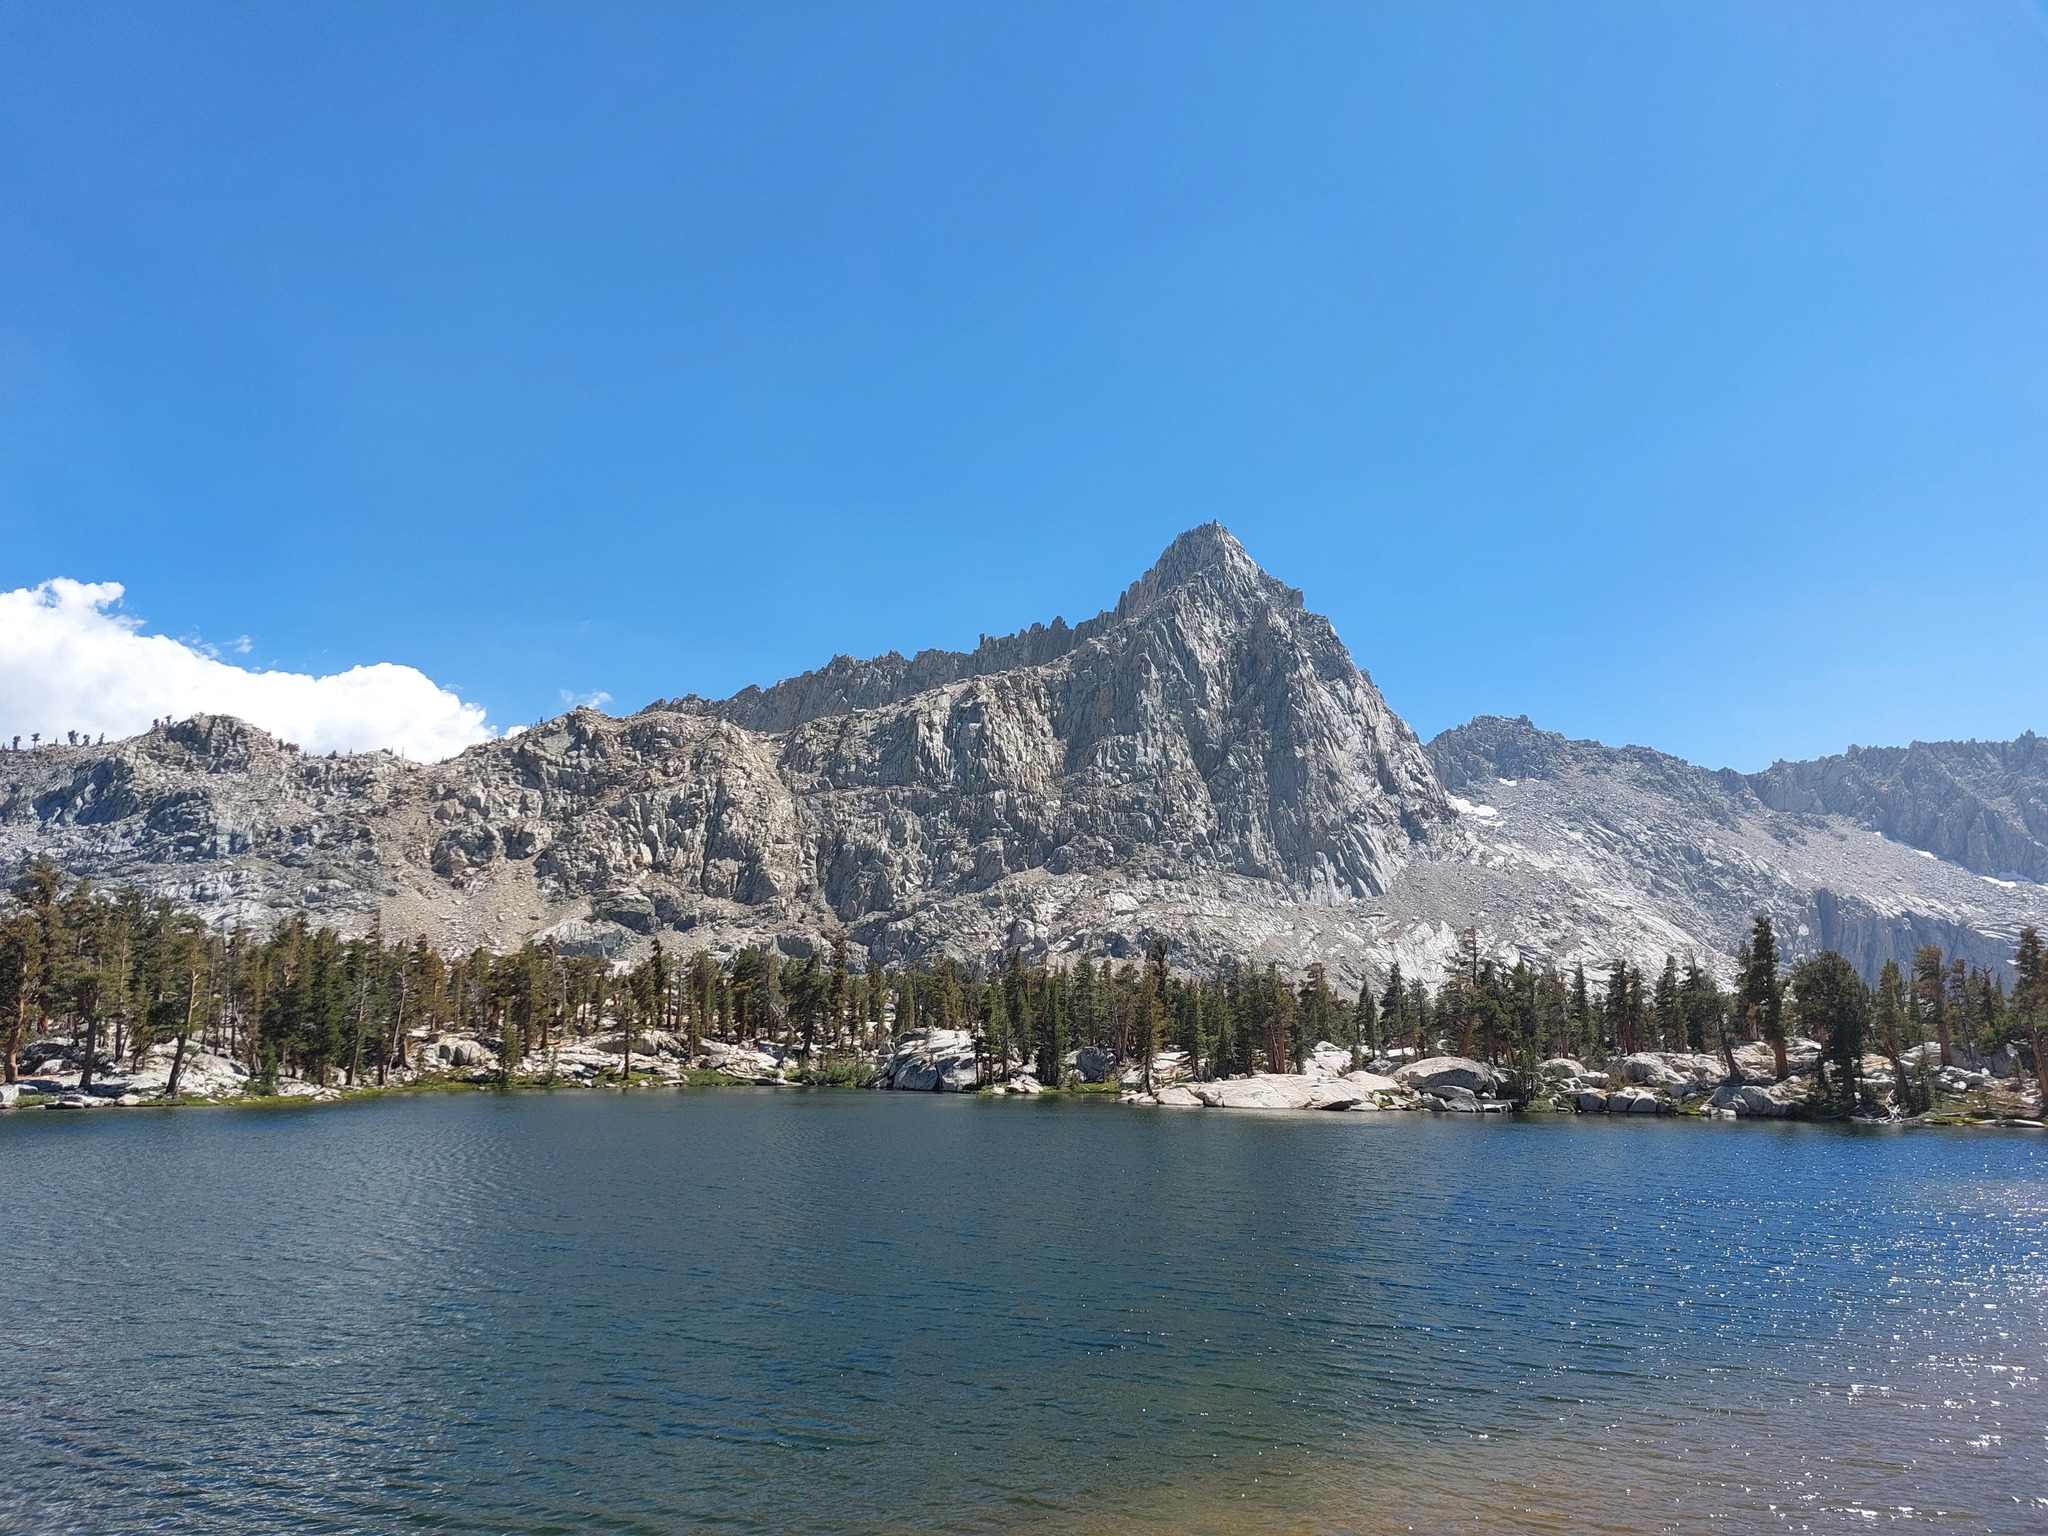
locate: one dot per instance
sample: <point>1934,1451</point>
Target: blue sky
<point>1675,374</point>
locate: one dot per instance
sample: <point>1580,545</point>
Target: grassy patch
<point>1080,1090</point>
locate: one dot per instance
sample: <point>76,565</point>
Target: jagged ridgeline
<point>1202,763</point>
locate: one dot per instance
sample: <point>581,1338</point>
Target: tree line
<point>121,975</point>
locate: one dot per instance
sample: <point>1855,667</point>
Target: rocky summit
<point>1202,763</point>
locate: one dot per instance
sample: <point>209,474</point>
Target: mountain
<point>1667,858</point>
<point>1203,762</point>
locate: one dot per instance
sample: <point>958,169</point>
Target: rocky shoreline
<point>1970,1090</point>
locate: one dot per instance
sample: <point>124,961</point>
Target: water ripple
<point>848,1312</point>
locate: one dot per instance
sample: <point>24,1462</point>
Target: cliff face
<point>1202,762</point>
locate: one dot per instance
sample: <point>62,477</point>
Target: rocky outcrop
<point>931,1060</point>
<point>1320,1086</point>
<point>1435,1074</point>
<point>1092,1064</point>
<point>1276,1090</point>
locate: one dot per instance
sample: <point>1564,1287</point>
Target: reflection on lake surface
<point>781,1311</point>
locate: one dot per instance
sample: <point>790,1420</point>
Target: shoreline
<point>1270,1093</point>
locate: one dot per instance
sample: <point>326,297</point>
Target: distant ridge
<point>1983,804</point>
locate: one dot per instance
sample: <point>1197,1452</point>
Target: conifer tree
<point>1394,1006</point>
<point>1930,997</point>
<point>1582,1012</point>
<point>1832,1005</point>
<point>1145,1032</point>
<point>1699,1004</point>
<point>906,1002</point>
<point>1052,1038</point>
<point>1664,1007</point>
<point>1318,1005</point>
<point>1082,1016</point>
<point>28,949</point>
<point>996,1032</point>
<point>1461,989</point>
<point>1365,1026</point>
<point>1615,1005</point>
<point>1956,1010</point>
<point>1763,993</point>
<point>1187,1018</point>
<point>842,986</point>
<point>1890,1017</point>
<point>2030,1001</point>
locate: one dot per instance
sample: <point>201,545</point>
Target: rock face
<point>1980,804</point>
<point>1266,1090</point>
<point>1203,763</point>
<point>1435,1074</point>
<point>1662,857</point>
<point>931,1060</point>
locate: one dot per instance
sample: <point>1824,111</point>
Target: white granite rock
<point>1435,1073</point>
<point>929,1060</point>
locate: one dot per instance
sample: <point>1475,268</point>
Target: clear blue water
<point>841,1312</point>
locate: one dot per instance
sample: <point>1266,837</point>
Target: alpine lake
<point>739,1310</point>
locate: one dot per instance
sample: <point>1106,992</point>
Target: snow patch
<point>1468,808</point>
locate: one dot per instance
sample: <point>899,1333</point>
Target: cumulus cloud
<point>70,662</point>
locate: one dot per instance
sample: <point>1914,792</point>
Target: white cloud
<point>68,662</point>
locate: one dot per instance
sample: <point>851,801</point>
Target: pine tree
<point>1189,1038</point>
<point>842,987</point>
<point>1365,1026</point>
<point>1699,1004</point>
<point>1930,997</point>
<point>1891,1015</point>
<point>1318,1005</point>
<point>1052,1038</point>
<point>1832,1005</point>
<point>1463,986</point>
<point>1153,998</point>
<point>1664,1006</point>
<point>1614,1004</point>
<point>1956,1010</point>
<point>2030,1002</point>
<point>1145,1032</point>
<point>1581,1007</point>
<point>1763,992</point>
<point>906,1002</point>
<point>1394,1007</point>
<point>993,1047</point>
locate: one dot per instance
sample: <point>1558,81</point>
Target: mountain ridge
<point>1202,762</point>
<point>1207,552</point>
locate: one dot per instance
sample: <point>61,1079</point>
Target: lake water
<point>855,1312</point>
